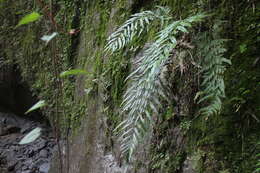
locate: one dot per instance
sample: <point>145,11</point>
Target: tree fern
<point>141,99</point>
<point>213,68</point>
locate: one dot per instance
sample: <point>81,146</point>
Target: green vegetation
<point>31,136</point>
<point>36,106</point>
<point>29,18</point>
<point>198,109</point>
<point>146,88</point>
<point>73,72</point>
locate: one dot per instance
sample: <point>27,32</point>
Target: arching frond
<point>137,24</point>
<point>142,98</point>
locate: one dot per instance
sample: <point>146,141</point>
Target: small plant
<point>32,136</point>
<point>32,17</point>
<point>36,106</point>
<point>185,125</point>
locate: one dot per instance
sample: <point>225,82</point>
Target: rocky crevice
<point>34,157</point>
<point>16,98</point>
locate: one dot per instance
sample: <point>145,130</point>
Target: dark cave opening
<point>16,96</point>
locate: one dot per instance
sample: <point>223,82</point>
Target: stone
<point>11,155</point>
<point>44,168</point>
<point>11,165</point>
<point>26,128</point>
<point>24,168</point>
<point>3,131</point>
<point>12,129</point>
<point>40,145</point>
<point>27,171</point>
<point>30,153</point>
<point>43,153</point>
<point>30,158</point>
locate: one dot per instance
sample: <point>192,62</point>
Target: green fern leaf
<point>213,67</point>
<point>142,99</point>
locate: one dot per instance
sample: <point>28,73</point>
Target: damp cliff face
<point>85,109</point>
<point>95,150</point>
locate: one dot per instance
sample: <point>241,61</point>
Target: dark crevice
<point>15,94</point>
<point>136,7</point>
<point>75,33</point>
<point>15,99</point>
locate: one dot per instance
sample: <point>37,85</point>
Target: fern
<point>257,169</point>
<point>141,99</point>
<point>213,68</point>
<point>2,62</point>
<point>135,26</point>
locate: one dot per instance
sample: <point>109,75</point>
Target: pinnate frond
<point>136,25</point>
<point>213,68</point>
<point>142,98</point>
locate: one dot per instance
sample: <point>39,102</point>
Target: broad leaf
<point>38,105</point>
<point>48,38</point>
<point>73,72</point>
<point>29,18</point>
<point>32,136</point>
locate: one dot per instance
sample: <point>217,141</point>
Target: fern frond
<point>257,167</point>
<point>136,25</point>
<point>2,62</point>
<point>213,68</point>
<point>133,26</point>
<point>142,98</point>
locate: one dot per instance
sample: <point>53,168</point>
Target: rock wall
<point>86,108</point>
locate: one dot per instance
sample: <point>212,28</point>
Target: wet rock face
<point>29,158</point>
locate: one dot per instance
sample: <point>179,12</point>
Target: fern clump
<point>213,65</point>
<point>142,98</point>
